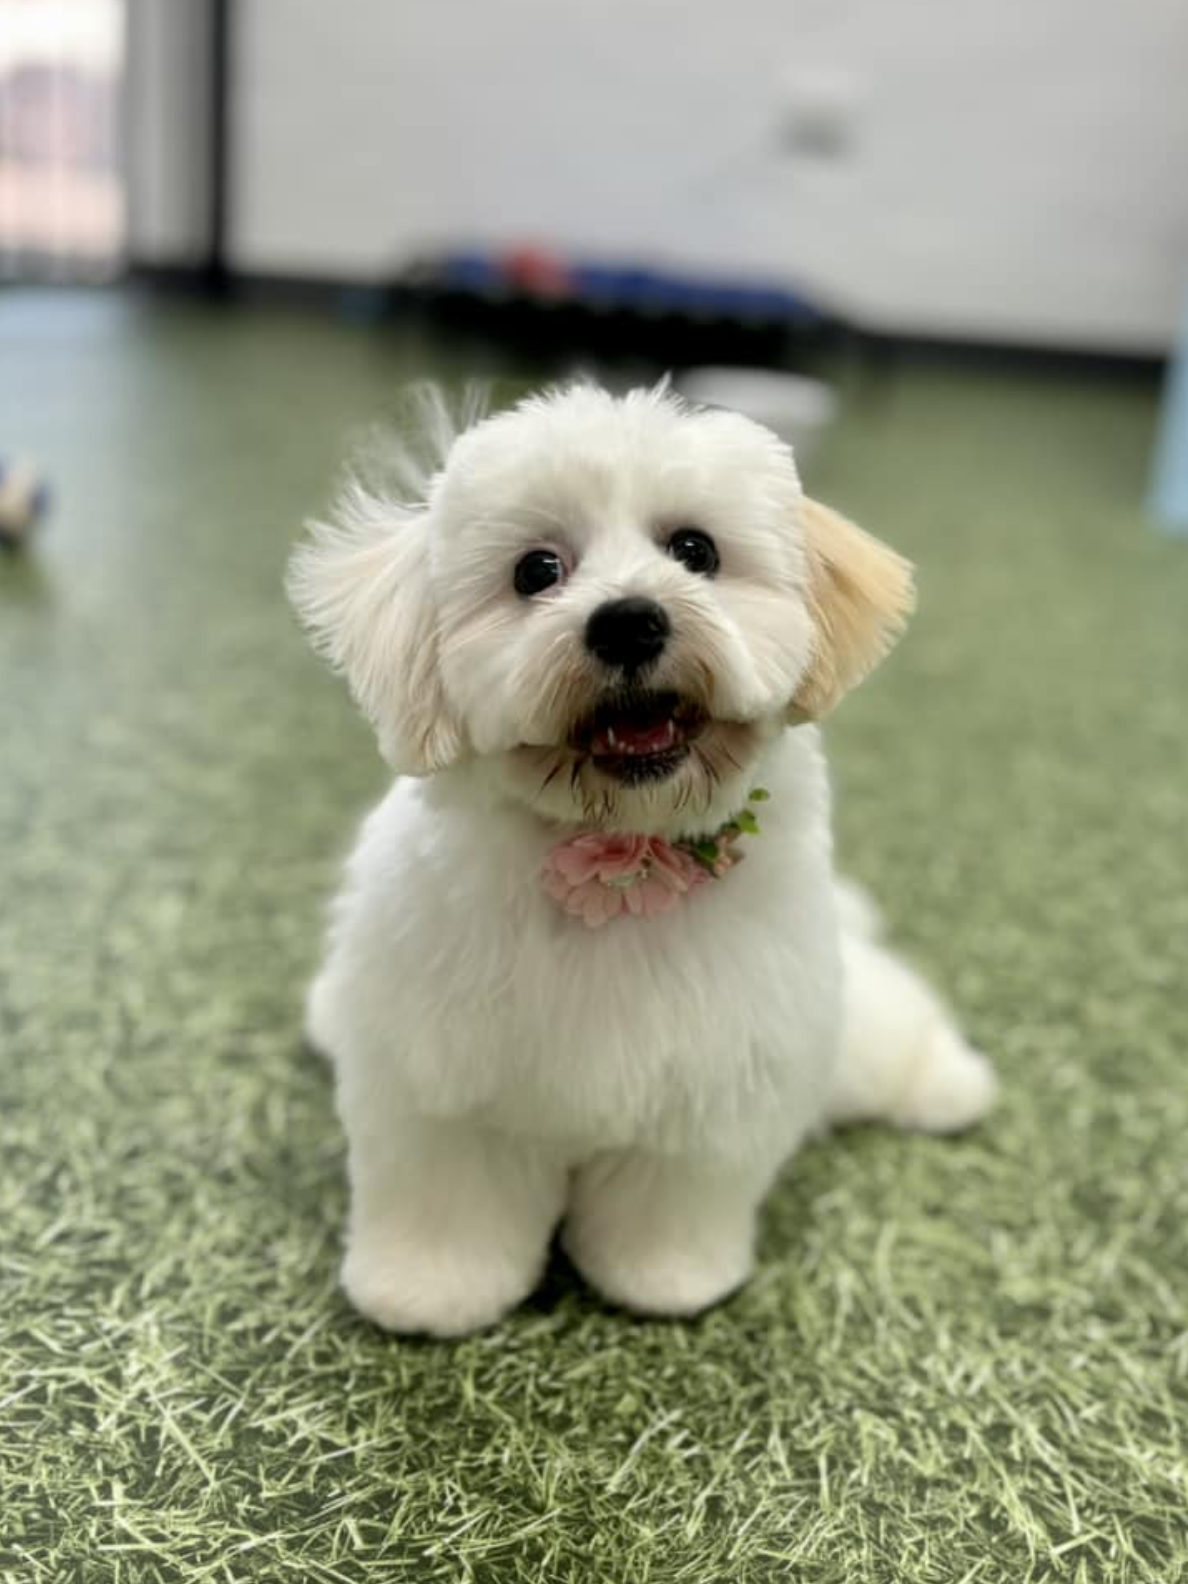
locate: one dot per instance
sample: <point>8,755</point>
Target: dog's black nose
<point>628,633</point>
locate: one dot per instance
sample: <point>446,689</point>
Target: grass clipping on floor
<point>959,1361</point>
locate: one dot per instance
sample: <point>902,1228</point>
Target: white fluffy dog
<point>569,980</point>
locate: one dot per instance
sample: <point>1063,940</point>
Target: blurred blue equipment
<point>1169,491</point>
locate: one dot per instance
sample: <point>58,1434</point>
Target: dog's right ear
<point>361,587</point>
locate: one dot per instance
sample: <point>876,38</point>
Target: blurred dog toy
<point>24,498</point>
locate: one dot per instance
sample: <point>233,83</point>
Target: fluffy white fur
<point>502,1069</point>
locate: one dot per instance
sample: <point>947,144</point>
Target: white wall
<point>1006,171</point>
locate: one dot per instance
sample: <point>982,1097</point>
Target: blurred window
<point>61,182</point>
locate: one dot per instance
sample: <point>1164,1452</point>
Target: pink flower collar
<point>602,875</point>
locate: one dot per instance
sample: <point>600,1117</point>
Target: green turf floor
<point>960,1361</point>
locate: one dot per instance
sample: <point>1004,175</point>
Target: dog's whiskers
<point>551,777</point>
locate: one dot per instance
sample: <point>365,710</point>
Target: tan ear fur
<point>361,587</point>
<point>860,595</point>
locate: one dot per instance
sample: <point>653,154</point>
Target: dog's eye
<point>695,550</point>
<point>537,571</point>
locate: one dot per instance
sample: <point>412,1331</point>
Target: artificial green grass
<point>960,1360</point>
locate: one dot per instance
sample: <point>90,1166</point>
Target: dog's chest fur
<point>483,999</point>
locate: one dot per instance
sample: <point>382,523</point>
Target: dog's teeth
<point>611,738</point>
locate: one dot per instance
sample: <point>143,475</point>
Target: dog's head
<point>613,601</point>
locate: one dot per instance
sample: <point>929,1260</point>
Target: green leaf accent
<point>705,852</point>
<point>759,795</point>
<point>746,821</point>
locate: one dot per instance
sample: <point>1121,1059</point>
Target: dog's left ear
<point>361,586</point>
<point>860,595</point>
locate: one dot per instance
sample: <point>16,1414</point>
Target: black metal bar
<point>219,155</point>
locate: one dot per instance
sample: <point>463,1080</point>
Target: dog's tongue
<point>636,737</point>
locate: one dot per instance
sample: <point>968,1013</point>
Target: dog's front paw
<point>674,1279</point>
<point>437,1291</point>
<point>952,1086</point>
<point>678,1283</point>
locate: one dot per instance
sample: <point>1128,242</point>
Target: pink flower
<point>596,877</point>
<point>608,858</point>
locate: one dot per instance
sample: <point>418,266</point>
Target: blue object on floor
<point>1169,489</point>
<point>627,287</point>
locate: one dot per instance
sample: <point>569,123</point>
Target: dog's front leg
<point>664,1235</point>
<point>449,1223</point>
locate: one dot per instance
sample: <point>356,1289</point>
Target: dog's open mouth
<point>640,736</point>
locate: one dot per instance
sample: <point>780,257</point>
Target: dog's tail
<point>857,911</point>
